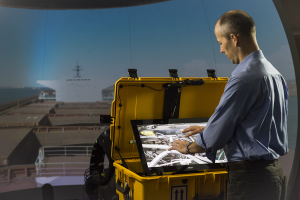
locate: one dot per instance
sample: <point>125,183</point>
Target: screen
<point>154,140</point>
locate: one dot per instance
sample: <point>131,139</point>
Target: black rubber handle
<point>120,189</point>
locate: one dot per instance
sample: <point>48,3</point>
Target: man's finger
<point>187,129</point>
<point>171,148</point>
<point>191,133</point>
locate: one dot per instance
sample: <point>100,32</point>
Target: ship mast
<point>77,69</point>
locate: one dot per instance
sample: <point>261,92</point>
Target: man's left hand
<point>179,145</point>
<point>193,130</point>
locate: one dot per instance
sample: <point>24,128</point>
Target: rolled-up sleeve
<point>234,105</point>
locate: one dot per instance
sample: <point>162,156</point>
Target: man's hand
<point>179,145</point>
<point>194,130</point>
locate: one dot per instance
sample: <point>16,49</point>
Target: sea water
<point>11,94</point>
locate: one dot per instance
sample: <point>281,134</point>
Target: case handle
<point>125,190</point>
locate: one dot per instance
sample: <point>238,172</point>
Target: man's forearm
<point>195,148</point>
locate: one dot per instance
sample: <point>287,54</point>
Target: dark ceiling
<point>74,4</point>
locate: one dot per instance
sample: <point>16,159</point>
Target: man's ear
<point>234,38</point>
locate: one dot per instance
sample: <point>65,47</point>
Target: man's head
<point>236,34</point>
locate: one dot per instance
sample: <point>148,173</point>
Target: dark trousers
<point>266,182</point>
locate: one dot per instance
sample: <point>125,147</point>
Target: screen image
<point>156,139</point>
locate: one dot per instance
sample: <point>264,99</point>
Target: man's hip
<point>257,180</point>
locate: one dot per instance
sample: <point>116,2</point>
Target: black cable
<point>129,35</point>
<point>145,86</point>
<point>45,44</point>
<point>153,88</point>
<point>120,104</point>
<point>44,52</point>
<point>210,35</point>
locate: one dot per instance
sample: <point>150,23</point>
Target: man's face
<point>226,46</point>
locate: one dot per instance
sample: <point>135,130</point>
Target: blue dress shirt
<point>251,118</point>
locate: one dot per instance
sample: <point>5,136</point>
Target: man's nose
<point>221,50</point>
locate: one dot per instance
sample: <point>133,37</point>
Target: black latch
<point>211,73</point>
<point>106,119</point>
<point>173,73</point>
<point>132,73</point>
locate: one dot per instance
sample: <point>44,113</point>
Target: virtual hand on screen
<point>193,130</point>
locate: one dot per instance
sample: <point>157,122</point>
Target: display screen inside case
<point>154,138</point>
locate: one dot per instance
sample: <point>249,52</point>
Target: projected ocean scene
<point>59,68</point>
<point>157,139</point>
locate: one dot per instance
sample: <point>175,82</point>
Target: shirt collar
<point>245,62</point>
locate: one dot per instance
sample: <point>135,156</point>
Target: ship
<point>76,89</point>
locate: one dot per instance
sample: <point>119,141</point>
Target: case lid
<point>158,98</point>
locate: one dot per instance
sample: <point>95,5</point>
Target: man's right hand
<point>193,130</point>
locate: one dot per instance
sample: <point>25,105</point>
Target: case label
<point>179,192</point>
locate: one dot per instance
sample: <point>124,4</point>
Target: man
<point>251,118</point>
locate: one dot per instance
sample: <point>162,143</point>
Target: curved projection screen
<point>58,68</point>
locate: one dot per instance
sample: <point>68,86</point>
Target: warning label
<point>179,192</point>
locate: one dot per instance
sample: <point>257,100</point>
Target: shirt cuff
<point>211,156</point>
<point>200,141</point>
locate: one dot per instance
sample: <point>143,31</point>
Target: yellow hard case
<point>132,101</point>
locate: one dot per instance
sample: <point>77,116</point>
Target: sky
<point>177,34</point>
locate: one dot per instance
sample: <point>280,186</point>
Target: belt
<point>246,164</point>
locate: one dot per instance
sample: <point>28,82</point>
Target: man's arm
<point>181,147</point>
<point>233,107</point>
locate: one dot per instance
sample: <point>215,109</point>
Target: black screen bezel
<point>174,169</point>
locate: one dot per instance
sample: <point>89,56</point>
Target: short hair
<point>237,22</point>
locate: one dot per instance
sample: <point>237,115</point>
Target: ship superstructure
<point>75,89</point>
